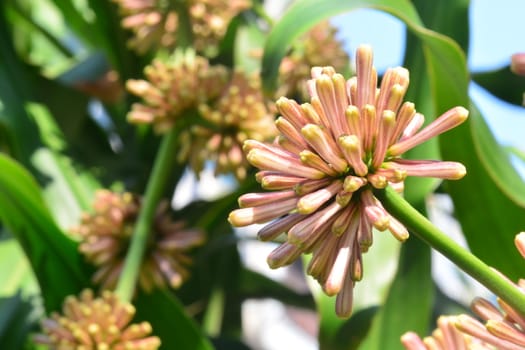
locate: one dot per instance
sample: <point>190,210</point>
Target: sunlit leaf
<point>68,190</point>
<point>54,258</point>
<point>310,12</point>
<point>248,45</point>
<point>15,270</point>
<point>496,160</point>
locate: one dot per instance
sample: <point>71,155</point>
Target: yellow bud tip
<point>461,113</point>
<point>382,223</point>
<point>461,172</point>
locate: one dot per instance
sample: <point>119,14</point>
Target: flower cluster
<point>106,234</point>
<point>155,23</point>
<point>331,155</point>
<point>96,323</point>
<point>240,113</point>
<point>183,82</point>
<point>210,20</point>
<point>445,337</point>
<point>318,47</point>
<point>504,327</point>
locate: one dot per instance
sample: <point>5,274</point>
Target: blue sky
<point>496,33</point>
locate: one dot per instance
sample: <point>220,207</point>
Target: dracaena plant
<point>108,108</point>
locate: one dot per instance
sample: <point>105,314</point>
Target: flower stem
<point>425,230</point>
<point>154,189</point>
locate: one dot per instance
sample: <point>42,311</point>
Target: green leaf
<point>255,285</point>
<point>54,257</point>
<point>169,321</point>
<point>15,270</point>
<point>502,83</point>
<point>17,317</point>
<point>496,159</point>
<point>408,305</point>
<point>69,190</point>
<point>488,216</point>
<point>15,87</point>
<point>517,152</point>
<point>77,20</point>
<point>310,12</point>
<point>249,39</point>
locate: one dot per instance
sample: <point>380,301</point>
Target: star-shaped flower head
<point>96,323</point>
<point>106,235</point>
<point>331,154</point>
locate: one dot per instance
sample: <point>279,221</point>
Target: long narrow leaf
<point>54,257</point>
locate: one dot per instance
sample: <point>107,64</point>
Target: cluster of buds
<point>318,47</point>
<point>210,20</point>
<point>503,328</point>
<point>96,323</point>
<point>240,113</point>
<point>155,23</point>
<point>173,87</point>
<point>331,155</point>
<point>106,235</point>
<point>445,337</point>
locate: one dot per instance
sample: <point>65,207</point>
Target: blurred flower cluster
<point>155,23</point>
<point>173,87</point>
<point>106,233</point>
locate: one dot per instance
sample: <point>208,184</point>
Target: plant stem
<point>258,8</point>
<point>212,321</point>
<point>139,240</point>
<point>425,230</point>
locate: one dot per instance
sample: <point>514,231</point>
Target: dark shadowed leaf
<point>503,84</point>
<point>170,322</point>
<point>17,319</point>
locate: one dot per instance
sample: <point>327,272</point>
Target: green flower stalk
<point>322,171</point>
<point>141,232</point>
<point>504,327</point>
<point>476,268</point>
